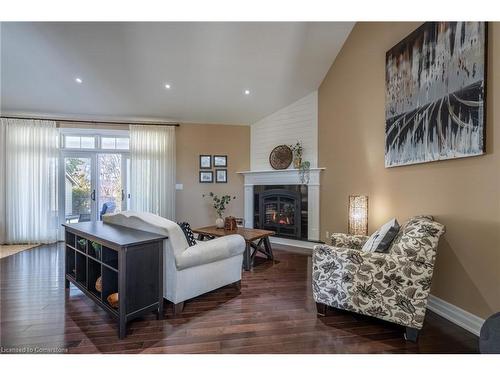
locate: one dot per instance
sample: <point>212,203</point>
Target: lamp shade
<point>358,214</point>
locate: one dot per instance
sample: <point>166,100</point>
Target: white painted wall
<point>296,122</point>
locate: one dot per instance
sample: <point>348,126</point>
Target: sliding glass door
<point>94,184</point>
<point>79,188</point>
<point>93,174</point>
<point>112,189</point>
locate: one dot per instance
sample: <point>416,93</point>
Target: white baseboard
<point>455,314</point>
<point>294,243</point>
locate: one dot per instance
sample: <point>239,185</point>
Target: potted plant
<point>304,172</point>
<point>219,203</point>
<point>297,150</point>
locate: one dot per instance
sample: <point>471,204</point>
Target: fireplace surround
<point>285,177</point>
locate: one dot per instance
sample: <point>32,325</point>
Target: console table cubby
<point>128,261</point>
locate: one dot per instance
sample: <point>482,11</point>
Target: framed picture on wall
<point>221,176</point>
<point>436,94</point>
<point>205,161</point>
<point>206,177</point>
<point>220,161</point>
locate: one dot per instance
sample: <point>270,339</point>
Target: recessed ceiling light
<point>167,86</point>
<point>78,80</point>
<point>247,92</point>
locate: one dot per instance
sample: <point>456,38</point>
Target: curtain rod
<point>92,121</point>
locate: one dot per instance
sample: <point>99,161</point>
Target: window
<point>122,143</point>
<point>85,141</point>
<point>71,141</point>
<point>114,143</point>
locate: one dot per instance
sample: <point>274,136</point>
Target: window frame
<point>97,134</point>
<point>80,136</point>
<point>116,139</point>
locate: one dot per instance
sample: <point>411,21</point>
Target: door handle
<point>123,195</point>
<point>92,196</point>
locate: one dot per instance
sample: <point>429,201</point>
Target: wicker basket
<point>281,157</point>
<point>98,284</point>
<point>113,300</point>
<point>230,223</point>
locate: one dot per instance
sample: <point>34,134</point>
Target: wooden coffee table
<point>256,239</point>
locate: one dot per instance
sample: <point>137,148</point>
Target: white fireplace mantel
<point>285,177</point>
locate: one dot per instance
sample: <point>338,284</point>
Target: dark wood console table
<point>128,261</point>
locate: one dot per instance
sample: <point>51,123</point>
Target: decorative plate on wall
<point>281,157</point>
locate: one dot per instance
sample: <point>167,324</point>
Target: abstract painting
<point>435,94</point>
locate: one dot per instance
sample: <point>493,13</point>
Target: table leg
<point>122,328</point>
<point>257,247</point>
<point>269,249</point>
<point>247,257</point>
<point>122,295</point>
<point>160,281</point>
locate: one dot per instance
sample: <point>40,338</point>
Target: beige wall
<point>193,140</point>
<point>464,194</point>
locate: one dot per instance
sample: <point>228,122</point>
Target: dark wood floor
<point>274,313</point>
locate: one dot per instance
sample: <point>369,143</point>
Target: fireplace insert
<point>282,209</point>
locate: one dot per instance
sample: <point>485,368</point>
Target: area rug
<point>8,250</point>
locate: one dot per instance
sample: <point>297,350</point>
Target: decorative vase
<point>219,223</point>
<point>297,162</point>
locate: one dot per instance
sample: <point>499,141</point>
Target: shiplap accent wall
<point>298,121</point>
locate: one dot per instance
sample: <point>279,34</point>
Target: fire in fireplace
<point>281,208</point>
<point>282,213</point>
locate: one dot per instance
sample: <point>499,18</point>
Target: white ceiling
<point>124,68</point>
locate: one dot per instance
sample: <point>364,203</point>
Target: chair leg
<point>321,309</point>
<point>247,257</point>
<point>178,307</point>
<point>411,334</point>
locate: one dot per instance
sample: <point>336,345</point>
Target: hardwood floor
<point>273,313</point>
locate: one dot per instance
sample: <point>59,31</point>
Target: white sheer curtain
<point>2,184</point>
<point>152,164</point>
<point>30,152</point>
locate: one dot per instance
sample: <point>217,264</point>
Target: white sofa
<point>188,271</point>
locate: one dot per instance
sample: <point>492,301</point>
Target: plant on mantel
<point>305,172</point>
<point>304,167</point>
<point>297,150</point>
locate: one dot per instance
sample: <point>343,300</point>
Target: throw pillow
<point>186,228</point>
<point>381,240</point>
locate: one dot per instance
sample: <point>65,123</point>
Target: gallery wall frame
<point>205,161</point>
<point>220,161</point>
<point>206,177</point>
<point>221,176</point>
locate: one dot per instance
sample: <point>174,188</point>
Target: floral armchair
<point>392,286</point>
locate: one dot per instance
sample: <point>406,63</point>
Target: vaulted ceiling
<point>124,68</point>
